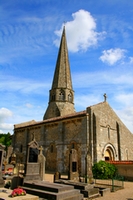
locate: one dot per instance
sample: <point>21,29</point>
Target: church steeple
<point>61,95</point>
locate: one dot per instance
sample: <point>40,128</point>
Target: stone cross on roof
<point>105,97</point>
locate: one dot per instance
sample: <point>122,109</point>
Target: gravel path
<point>123,194</point>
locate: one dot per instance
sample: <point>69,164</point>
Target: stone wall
<point>110,131</point>
<point>57,137</point>
<point>125,169</point>
<point>60,138</point>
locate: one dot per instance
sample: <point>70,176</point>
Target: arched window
<point>21,148</point>
<point>61,95</point>
<point>70,97</point>
<point>52,148</point>
<point>108,129</point>
<point>52,97</point>
<point>73,145</point>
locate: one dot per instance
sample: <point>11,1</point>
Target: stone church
<point>96,133</point>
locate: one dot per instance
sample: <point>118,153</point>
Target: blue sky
<point>100,43</point>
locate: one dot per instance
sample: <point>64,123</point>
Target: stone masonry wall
<point>107,132</point>
<point>57,139</point>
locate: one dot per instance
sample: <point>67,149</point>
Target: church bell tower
<point>61,95</point>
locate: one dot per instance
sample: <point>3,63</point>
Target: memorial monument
<point>32,165</point>
<point>73,166</point>
<point>41,161</point>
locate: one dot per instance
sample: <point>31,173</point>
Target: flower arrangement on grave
<point>18,192</point>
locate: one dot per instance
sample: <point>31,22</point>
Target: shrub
<point>104,170</point>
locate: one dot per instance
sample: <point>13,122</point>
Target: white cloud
<point>81,32</point>
<point>111,56</point>
<point>125,98</point>
<point>131,60</point>
<point>84,100</point>
<point>105,78</point>
<point>28,105</point>
<point>5,127</point>
<point>4,114</point>
<point>22,85</point>
<point>126,115</point>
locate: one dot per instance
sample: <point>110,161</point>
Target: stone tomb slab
<point>88,190</point>
<point>48,186</point>
<point>52,191</point>
<point>77,185</point>
<point>4,193</point>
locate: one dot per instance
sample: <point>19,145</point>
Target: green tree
<point>104,170</point>
<point>5,139</point>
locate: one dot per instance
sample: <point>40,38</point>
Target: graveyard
<point>30,177</point>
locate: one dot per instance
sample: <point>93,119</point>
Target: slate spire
<point>61,95</point>
<point>62,75</point>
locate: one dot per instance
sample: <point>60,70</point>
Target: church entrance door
<point>109,154</point>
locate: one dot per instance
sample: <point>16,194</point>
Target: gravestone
<point>13,159</point>
<point>41,161</point>
<point>73,165</point>
<point>9,153</point>
<point>32,165</point>
<point>13,162</point>
<point>16,181</point>
<point>2,147</point>
<point>57,176</point>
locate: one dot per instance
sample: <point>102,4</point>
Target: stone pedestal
<point>32,172</point>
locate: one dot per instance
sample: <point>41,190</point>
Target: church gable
<point>107,116</point>
<point>109,133</point>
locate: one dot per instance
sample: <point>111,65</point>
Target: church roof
<point>24,124</point>
<point>51,120</point>
<point>62,75</point>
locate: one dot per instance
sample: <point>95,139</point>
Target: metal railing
<point>114,184</point>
